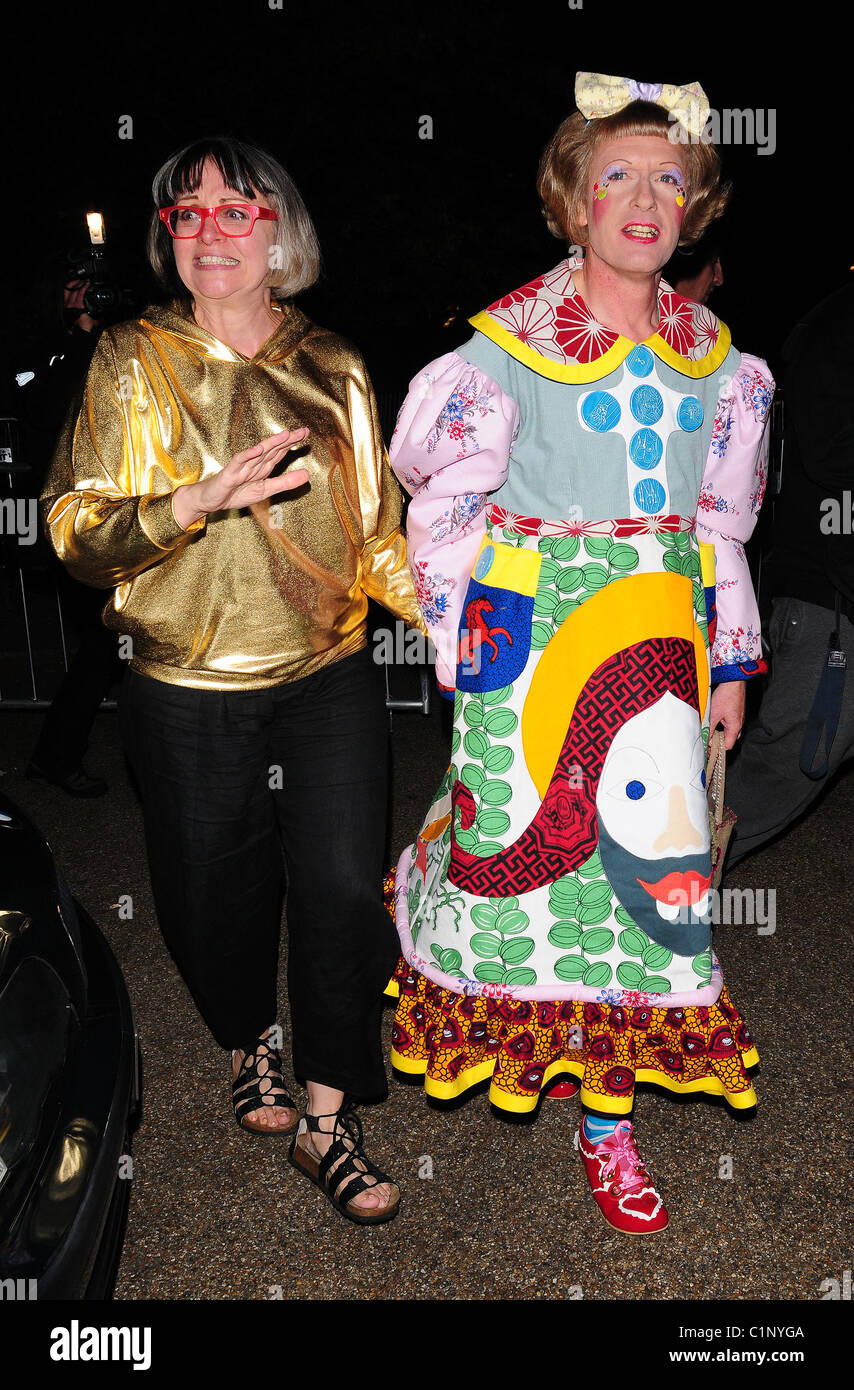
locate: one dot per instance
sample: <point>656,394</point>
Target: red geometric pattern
<point>515,297</point>
<point>579,334</point>
<point>549,316</point>
<point>618,526</point>
<point>676,321</point>
<point>562,834</point>
<point>707,330</point>
<point>556,283</point>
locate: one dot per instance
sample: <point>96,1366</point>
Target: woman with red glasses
<point>252,715</point>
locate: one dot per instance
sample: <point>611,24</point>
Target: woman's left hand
<point>728,709</point>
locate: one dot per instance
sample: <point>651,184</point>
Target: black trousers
<point>765,786</point>
<point>236,784</point>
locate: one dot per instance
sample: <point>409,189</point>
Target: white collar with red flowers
<point>547,326</point>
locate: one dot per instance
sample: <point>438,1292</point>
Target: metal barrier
<point>37,700</point>
<point>422,704</point>
<point>29,600</point>
<point>388,405</point>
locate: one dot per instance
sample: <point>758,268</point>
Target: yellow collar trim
<point>608,361</point>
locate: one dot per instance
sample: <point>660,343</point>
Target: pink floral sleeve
<point>450,449</point>
<point>730,498</point>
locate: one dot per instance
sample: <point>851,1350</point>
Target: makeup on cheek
<point>677,176</point>
<point>602,185</point>
<point>601,188</point>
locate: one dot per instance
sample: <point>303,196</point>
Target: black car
<point>69,1082</point>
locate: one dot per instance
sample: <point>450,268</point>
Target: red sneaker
<point>621,1185</point>
<point>562,1090</point>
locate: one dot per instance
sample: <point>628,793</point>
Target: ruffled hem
<point>458,1041</point>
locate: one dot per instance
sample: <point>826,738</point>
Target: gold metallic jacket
<point>244,598</point>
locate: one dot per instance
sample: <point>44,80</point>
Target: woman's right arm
<point>450,449</point>
<point>102,527</point>
<point>102,524</point>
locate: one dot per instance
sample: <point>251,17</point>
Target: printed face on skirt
<point>653,823</point>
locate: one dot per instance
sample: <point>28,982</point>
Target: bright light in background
<point>95,223</point>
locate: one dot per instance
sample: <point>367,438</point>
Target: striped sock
<point>596,1129</point>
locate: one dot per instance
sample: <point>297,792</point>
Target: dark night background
<point>416,236</point>
<point>415,233</point>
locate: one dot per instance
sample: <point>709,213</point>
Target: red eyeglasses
<point>232,219</point>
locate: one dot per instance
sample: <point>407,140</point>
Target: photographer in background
<point>57,368</point>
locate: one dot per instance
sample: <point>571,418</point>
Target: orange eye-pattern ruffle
<point>457,1041</point>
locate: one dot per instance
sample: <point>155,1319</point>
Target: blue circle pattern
<point>635,790</point>
<point>600,411</point>
<point>484,563</point>
<point>639,361</point>
<point>645,449</point>
<point>650,495</point>
<point>647,405</point>
<point>690,414</point>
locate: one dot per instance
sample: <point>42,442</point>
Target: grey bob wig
<point>295,264</point>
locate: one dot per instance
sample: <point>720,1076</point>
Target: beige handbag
<point>721,818</point>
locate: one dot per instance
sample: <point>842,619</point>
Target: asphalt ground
<point>759,1206</point>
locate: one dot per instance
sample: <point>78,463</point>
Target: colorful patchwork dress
<point>579,510</point>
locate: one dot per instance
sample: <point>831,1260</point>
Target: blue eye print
<point>703,778</point>
<point>635,790</point>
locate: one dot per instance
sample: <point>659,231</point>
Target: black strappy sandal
<point>342,1158</point>
<point>260,1083</point>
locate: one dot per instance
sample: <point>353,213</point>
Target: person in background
<point>804,728</point>
<point>696,273</point>
<point>253,714</point>
<point>44,397</point>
